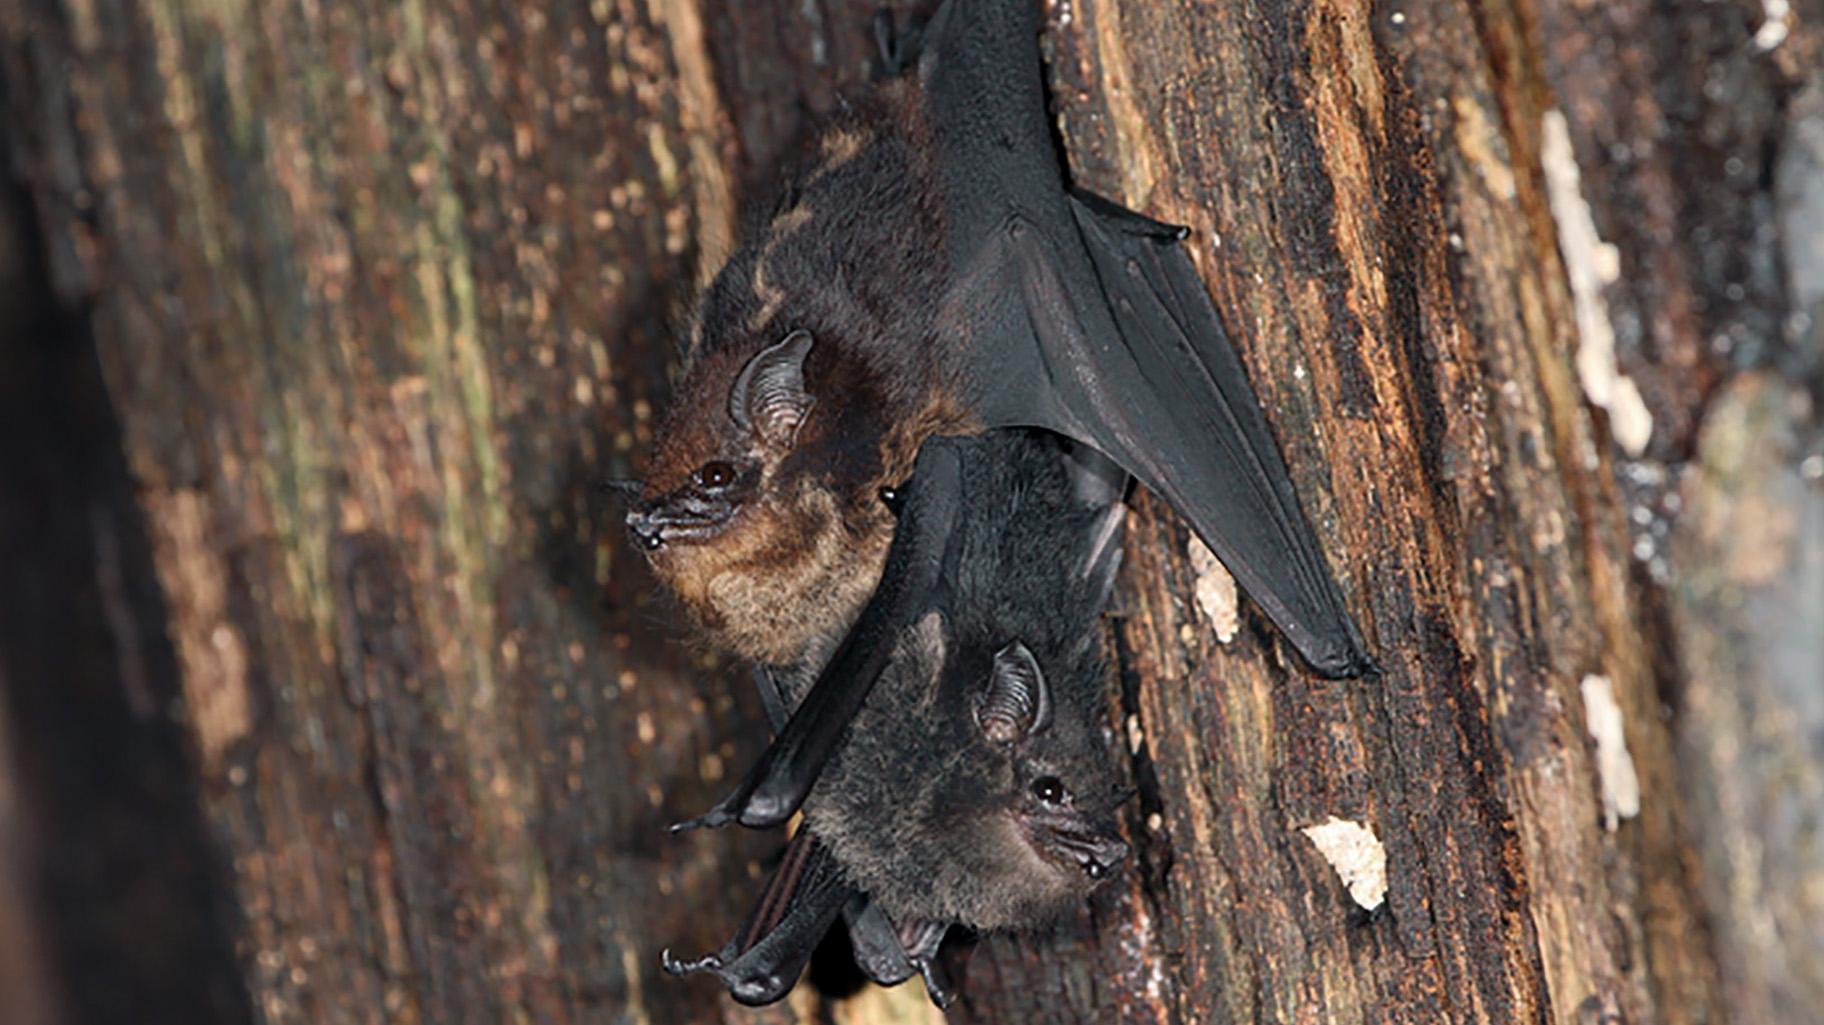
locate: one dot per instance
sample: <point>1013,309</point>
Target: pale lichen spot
<point>1216,594</point>
<point>1590,264</point>
<point>210,647</point>
<point>1480,141</point>
<point>1614,765</point>
<point>1774,28</point>
<point>1356,855</point>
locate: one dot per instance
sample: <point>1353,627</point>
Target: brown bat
<point>928,272</point>
<point>809,384</point>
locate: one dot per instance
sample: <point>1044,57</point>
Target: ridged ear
<point>769,398</point>
<point>1017,701</point>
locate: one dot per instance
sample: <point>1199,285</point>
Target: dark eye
<point>1049,789</point>
<point>893,498</point>
<point>716,475</point>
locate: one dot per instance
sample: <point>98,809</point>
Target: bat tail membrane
<point>763,961</point>
<point>890,956</point>
<point>875,943</point>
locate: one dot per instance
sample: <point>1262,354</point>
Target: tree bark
<point>345,309</point>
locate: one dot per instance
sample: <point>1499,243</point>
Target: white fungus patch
<point>1614,765</point>
<point>1356,854</point>
<point>1590,263</point>
<point>1215,591</point>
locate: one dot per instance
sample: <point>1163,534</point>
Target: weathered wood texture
<point>378,292</point>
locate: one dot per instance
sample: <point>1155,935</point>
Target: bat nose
<point>647,530</point>
<point>1103,857</point>
<point>1095,848</point>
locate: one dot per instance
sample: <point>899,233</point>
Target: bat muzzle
<point>1098,852</point>
<point>686,523</point>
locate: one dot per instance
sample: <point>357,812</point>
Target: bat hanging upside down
<point>929,273</point>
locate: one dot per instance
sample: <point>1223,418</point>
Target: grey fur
<point>924,812</point>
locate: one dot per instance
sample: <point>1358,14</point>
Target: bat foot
<point>673,966</point>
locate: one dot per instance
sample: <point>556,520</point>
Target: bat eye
<point>716,475</point>
<point>893,498</point>
<point>1049,789</point>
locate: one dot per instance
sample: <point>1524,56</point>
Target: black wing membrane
<point>872,938</point>
<point>805,894</point>
<point>1088,319</point>
<point>1191,429</point>
<point>911,584</point>
<point>763,961</point>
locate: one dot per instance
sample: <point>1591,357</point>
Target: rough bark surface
<point>332,693</point>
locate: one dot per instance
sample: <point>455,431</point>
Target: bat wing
<point>872,939</point>
<point>763,961</point>
<point>1088,319</point>
<point>910,585</point>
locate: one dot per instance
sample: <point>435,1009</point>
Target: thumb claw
<point>715,818</point>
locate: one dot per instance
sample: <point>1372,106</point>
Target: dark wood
<point>350,306</point>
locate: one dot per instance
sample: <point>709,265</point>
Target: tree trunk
<point>333,693</point>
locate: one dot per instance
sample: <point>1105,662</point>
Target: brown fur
<point>853,254</point>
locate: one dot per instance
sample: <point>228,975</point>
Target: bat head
<point>990,805</point>
<point>709,469</point>
<point>1060,802</point>
<point>759,507</point>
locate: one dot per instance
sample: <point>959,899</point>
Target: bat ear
<point>769,398</point>
<point>1017,702</point>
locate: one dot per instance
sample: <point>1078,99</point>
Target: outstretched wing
<point>1088,319</point>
